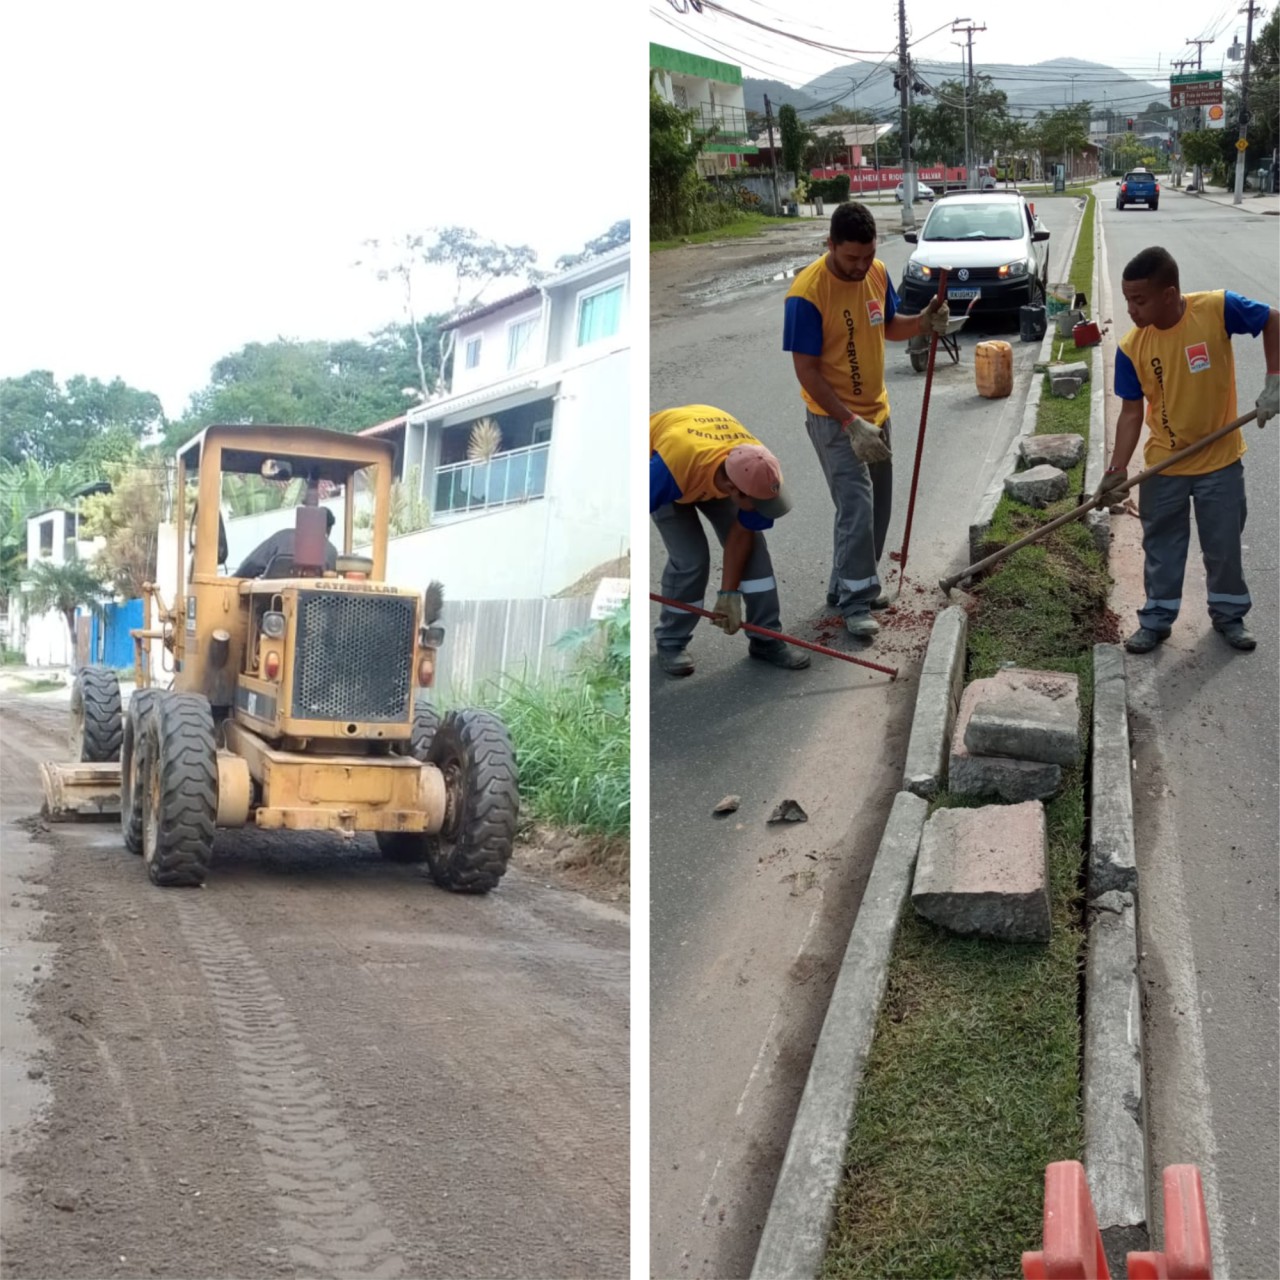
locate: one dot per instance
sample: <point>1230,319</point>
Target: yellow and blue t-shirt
<point>843,322</point>
<point>686,447</point>
<point>1187,375</point>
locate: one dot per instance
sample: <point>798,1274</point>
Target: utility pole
<point>903,80</point>
<point>773,156</point>
<point>967,32</point>
<point>1251,8</point>
<point>1199,44</point>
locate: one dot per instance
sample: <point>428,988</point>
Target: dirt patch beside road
<point>320,1064</point>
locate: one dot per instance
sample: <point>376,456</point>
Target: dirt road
<point>318,1065</point>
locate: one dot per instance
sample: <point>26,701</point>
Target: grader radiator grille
<point>353,656</point>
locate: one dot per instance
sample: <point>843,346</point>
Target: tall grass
<point>573,735</point>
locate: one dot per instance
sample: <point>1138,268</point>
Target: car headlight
<point>917,271</point>
<point>1012,270</point>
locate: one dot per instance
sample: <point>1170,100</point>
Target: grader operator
<point>294,700</point>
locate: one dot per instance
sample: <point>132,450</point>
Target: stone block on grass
<point>1065,385</point>
<point>985,872</point>
<point>1026,715</point>
<point>1038,486</point>
<point>1013,781</point>
<point>1061,451</point>
<point>1070,369</point>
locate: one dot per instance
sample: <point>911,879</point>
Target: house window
<point>599,314</point>
<point>473,352</point>
<point>46,538</point>
<point>520,341</point>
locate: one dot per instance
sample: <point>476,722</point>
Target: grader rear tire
<point>96,727</point>
<point>180,796</point>
<point>134,763</point>
<point>473,750</point>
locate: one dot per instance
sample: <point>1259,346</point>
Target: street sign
<point>1199,89</point>
<point>1215,117</point>
<point>1241,145</point>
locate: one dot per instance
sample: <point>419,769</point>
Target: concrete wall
<point>563,343</point>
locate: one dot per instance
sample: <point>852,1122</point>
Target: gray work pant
<point>864,501</point>
<point>689,567</point>
<point>1164,504</point>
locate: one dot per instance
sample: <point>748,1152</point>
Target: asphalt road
<point>318,1065</point>
<point>1207,794</point>
<point>748,921</point>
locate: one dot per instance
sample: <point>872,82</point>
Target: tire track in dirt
<point>326,1205</point>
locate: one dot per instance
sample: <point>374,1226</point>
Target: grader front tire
<point>96,725</point>
<point>473,750</point>
<point>180,800</point>
<point>134,763</point>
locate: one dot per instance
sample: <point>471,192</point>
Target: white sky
<point>183,178</point>
<point>1138,39</point>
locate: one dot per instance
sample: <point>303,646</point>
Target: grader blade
<point>80,792</point>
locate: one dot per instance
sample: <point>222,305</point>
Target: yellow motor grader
<point>295,699</point>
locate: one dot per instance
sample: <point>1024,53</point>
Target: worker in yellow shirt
<point>703,461</point>
<point>1178,358</point>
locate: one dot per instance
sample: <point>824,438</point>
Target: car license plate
<point>963,295</point>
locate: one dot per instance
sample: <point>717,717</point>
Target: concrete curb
<point>794,1240</point>
<point>980,525</point>
<point>938,699</point>
<point>1115,1147</point>
<point>1098,521</point>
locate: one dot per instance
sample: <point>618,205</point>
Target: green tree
<point>1202,147</point>
<point>26,488</point>
<point>42,420</point>
<point>794,140</point>
<point>1062,133</point>
<point>127,518</point>
<point>676,205</point>
<point>62,588</point>
<point>617,235</point>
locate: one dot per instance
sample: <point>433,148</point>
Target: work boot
<point>675,662</point>
<point>1143,640</point>
<point>1237,635</point>
<point>781,655</point>
<point>862,626</point>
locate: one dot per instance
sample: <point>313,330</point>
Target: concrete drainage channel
<point>793,1243</point>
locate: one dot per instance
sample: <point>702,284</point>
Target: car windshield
<point>974,222</point>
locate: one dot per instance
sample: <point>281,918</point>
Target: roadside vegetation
<point>572,735</point>
<point>973,1082</point>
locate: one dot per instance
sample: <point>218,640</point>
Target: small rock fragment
<point>789,811</point>
<point>728,805</point>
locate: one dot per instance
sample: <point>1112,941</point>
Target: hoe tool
<point>892,672</point>
<point>1109,498</point>
<point>924,418</point>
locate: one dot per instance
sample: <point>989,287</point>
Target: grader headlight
<point>273,625</point>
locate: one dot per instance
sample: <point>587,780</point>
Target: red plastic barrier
<point>1072,1244</point>
<point>1187,1254</point>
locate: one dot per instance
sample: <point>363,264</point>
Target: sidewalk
<point>1250,201</point>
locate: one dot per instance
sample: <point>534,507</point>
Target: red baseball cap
<point>754,470</point>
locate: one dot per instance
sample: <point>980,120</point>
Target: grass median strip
<point>973,1083</point>
<point>750,224</point>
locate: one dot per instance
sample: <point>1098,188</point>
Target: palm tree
<point>486,440</point>
<point>62,587</point>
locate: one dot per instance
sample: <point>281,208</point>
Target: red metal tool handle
<point>924,417</point>
<point>892,672</point>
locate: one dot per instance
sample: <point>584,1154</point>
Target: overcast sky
<point>1138,39</point>
<point>181,179</point>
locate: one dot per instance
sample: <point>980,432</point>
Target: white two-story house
<point>549,365</point>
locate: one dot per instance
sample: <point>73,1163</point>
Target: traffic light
<point>1130,123</point>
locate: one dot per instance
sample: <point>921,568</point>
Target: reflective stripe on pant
<point>1164,504</point>
<point>689,566</point>
<point>864,501</point>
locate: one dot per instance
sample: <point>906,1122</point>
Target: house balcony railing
<point>729,123</point>
<point>516,475</point>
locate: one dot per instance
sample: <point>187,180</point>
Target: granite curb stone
<point>937,701</point>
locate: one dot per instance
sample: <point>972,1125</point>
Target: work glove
<point>868,444</point>
<point>1112,478</point>
<point>935,317</point>
<point>728,612</point>
<point>1269,401</point>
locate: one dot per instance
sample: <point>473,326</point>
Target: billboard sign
<point>1198,89</point>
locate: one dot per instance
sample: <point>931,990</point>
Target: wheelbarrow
<point>918,347</point>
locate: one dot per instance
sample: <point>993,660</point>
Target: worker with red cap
<point>703,460</point>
